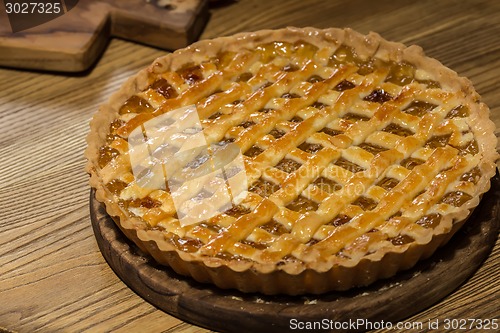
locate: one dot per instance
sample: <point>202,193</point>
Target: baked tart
<point>292,161</point>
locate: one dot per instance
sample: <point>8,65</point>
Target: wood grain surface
<point>53,277</point>
<point>73,41</point>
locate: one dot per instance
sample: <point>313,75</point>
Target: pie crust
<point>361,157</point>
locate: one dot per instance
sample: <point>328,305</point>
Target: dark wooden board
<point>72,42</point>
<point>230,311</point>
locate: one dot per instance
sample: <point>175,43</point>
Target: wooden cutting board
<point>393,300</point>
<point>73,40</point>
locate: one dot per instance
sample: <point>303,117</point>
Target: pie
<point>292,161</point>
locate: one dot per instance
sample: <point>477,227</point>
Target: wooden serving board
<point>230,311</point>
<point>72,41</point>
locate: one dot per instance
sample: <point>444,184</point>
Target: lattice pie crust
<point>362,156</point>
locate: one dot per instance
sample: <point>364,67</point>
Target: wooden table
<point>52,275</point>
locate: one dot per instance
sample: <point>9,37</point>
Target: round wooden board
<point>229,311</point>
